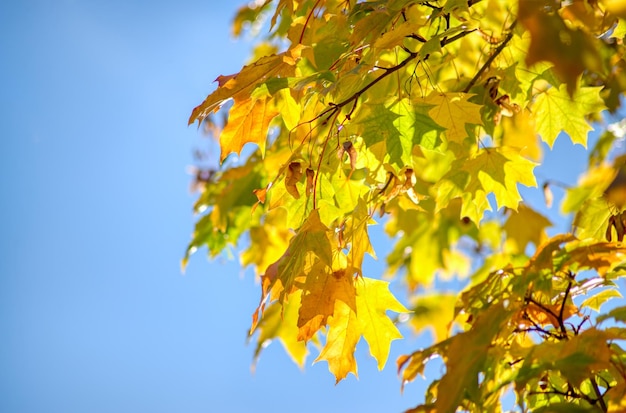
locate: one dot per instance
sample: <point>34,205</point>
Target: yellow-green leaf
<point>346,326</point>
<point>556,111</point>
<point>453,111</point>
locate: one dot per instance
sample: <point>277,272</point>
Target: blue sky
<point>94,312</point>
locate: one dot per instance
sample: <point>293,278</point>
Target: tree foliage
<point>429,117</point>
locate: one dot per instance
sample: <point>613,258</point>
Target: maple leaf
<point>356,234</point>
<point>592,220</point>
<point>518,131</point>
<point>416,127</point>
<point>240,85</point>
<point>322,288</point>
<point>526,226</point>
<point>379,127</point>
<point>590,254</point>
<point>576,358</point>
<point>371,26</point>
<point>570,50</point>
<point>453,111</point>
<point>341,342</point>
<point>466,354</point>
<point>556,111</point>
<point>273,235</point>
<point>248,122</point>
<point>543,256</point>
<point>277,323</point>
<point>436,312</point>
<point>491,170</point>
<point>370,320</point>
<point>280,277</point>
<point>397,36</point>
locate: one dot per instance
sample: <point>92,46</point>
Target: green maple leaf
<point>555,111</point>
<point>415,126</point>
<point>379,126</point>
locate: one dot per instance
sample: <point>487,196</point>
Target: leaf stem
<point>308,17</point>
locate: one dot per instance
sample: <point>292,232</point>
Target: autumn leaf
<point>518,131</point>
<point>341,342</point>
<point>427,117</point>
<point>240,85</point>
<point>369,320</point>
<point>526,226</point>
<point>378,127</point>
<point>587,254</point>
<point>322,288</point>
<point>467,354</point>
<point>280,277</point>
<point>248,123</point>
<point>576,359</point>
<point>596,301</point>
<point>434,312</point>
<point>571,51</point>
<point>491,170</point>
<point>453,111</point>
<point>277,323</point>
<point>557,111</point>
<point>357,236</point>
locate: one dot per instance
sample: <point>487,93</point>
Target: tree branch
<point>491,58</point>
<point>336,107</point>
<point>600,399</point>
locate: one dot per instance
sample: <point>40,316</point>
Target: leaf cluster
<point>428,116</point>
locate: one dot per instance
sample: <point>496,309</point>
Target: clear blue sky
<point>94,313</point>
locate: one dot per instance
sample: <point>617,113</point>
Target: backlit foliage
<point>428,117</point>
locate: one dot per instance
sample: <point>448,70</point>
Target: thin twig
<point>562,311</point>
<point>336,107</point>
<point>491,58</point>
<point>306,23</point>
<point>598,393</point>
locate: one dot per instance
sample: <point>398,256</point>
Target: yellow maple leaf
<point>341,342</point>
<point>453,112</point>
<point>356,234</point>
<point>322,288</point>
<point>436,312</point>
<point>370,320</point>
<point>248,122</point>
<point>373,301</point>
<point>491,170</point>
<point>284,276</point>
<point>526,226</point>
<point>518,131</point>
<point>239,86</point>
<point>277,323</point>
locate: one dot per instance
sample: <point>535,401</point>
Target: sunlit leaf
<point>557,111</point>
<point>454,112</point>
